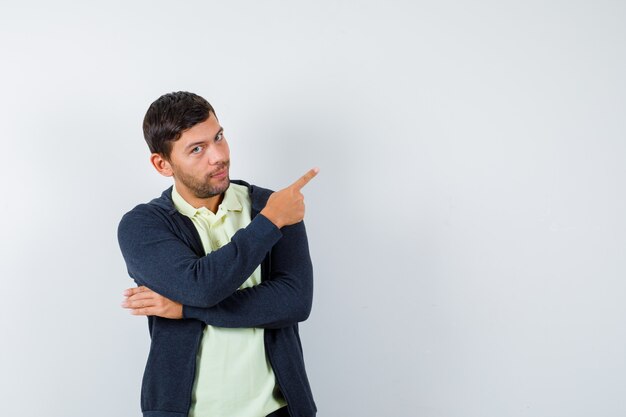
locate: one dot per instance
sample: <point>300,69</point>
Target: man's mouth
<point>219,174</point>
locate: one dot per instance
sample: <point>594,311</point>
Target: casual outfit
<point>244,284</point>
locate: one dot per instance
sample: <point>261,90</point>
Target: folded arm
<point>160,260</point>
<point>282,299</point>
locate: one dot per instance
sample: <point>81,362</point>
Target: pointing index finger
<point>304,180</point>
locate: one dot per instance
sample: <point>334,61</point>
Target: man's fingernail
<point>126,292</point>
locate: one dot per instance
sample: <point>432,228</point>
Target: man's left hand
<point>142,301</point>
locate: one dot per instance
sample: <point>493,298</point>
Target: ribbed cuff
<point>266,229</point>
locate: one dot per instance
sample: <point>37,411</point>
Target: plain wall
<point>467,227</point>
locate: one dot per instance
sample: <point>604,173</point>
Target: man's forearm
<point>265,306</point>
<point>158,259</point>
<point>281,300</point>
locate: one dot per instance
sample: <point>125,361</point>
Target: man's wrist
<point>271,216</point>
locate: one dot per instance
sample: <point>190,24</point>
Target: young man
<point>224,276</point>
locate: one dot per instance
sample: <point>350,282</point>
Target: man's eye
<point>197,149</point>
<point>219,137</point>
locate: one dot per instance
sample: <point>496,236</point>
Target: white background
<point>467,227</point>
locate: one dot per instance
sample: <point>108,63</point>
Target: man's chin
<point>221,186</point>
<point>227,185</point>
<point>216,189</point>
<point>224,182</point>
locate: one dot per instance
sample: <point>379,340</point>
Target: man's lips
<point>220,174</point>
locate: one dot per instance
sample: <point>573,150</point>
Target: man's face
<point>200,159</point>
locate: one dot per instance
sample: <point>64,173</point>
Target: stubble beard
<point>204,188</point>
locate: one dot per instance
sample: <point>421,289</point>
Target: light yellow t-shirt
<point>233,374</point>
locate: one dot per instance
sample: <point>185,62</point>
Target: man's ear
<point>161,164</point>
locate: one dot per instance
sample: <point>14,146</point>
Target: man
<point>224,276</point>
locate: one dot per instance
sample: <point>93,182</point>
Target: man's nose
<point>217,157</point>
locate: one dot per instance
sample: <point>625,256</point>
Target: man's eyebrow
<point>194,144</point>
<point>202,142</point>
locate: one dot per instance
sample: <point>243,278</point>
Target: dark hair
<point>169,116</point>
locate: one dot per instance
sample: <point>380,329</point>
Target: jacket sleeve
<point>157,258</point>
<point>282,300</point>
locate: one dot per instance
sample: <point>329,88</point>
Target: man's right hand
<point>286,207</point>
<point>142,301</point>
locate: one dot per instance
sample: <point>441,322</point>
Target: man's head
<point>187,142</point>
<point>169,116</point>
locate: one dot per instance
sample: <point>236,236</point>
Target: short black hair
<point>169,116</point>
